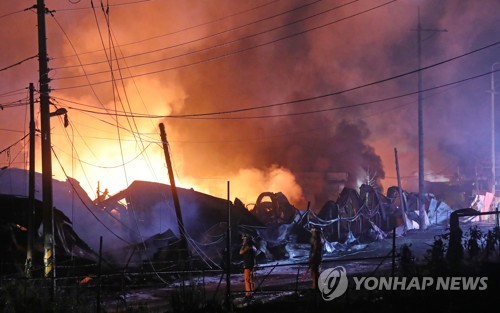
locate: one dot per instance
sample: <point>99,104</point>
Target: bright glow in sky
<point>163,58</point>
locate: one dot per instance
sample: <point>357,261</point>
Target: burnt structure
<point>140,229</point>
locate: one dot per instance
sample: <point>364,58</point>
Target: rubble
<point>144,229</point>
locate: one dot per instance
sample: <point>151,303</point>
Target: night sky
<point>258,93</point>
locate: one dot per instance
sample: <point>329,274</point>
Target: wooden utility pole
<point>183,242</point>
<point>31,186</point>
<point>48,225</point>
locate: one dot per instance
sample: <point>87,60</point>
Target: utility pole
<point>228,252</point>
<point>31,186</point>
<point>421,184</point>
<point>493,146</point>
<point>48,225</point>
<point>183,242</point>
<point>400,191</point>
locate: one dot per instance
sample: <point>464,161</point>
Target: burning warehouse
<point>140,225</point>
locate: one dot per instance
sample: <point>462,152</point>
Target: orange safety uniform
<point>248,252</point>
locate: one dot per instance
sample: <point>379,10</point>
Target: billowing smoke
<point>285,147</point>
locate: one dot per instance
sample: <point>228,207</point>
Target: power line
<point>114,85</point>
<point>356,87</point>
<point>83,202</point>
<point>12,130</point>
<point>73,148</point>
<point>113,166</point>
<point>203,116</point>
<point>223,44</point>
<point>12,13</point>
<point>73,47</point>
<point>12,92</point>
<point>19,63</point>
<point>14,104</point>
<point>214,35</point>
<point>83,69</point>
<point>106,13</point>
<point>18,153</point>
<point>95,94</point>
<point>287,134</point>
<point>146,158</point>
<point>121,127</point>
<point>111,5</point>
<point>178,31</point>
<point>102,138</point>
<point>15,143</point>
<point>111,43</point>
<point>228,53</point>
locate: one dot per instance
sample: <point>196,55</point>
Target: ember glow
<point>284,69</point>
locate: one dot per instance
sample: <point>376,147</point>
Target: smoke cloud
<point>200,57</point>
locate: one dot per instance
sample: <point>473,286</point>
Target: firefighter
<point>315,256</point>
<point>248,252</point>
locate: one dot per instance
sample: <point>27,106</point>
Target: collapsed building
<point>14,226</point>
<point>140,227</point>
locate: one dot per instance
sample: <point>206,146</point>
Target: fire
<point>112,149</point>
<point>164,59</point>
<point>146,161</point>
<point>248,183</point>
<point>115,150</point>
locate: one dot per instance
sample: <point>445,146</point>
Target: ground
<point>285,286</point>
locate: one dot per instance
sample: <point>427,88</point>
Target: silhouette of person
<point>315,255</point>
<point>248,252</point>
